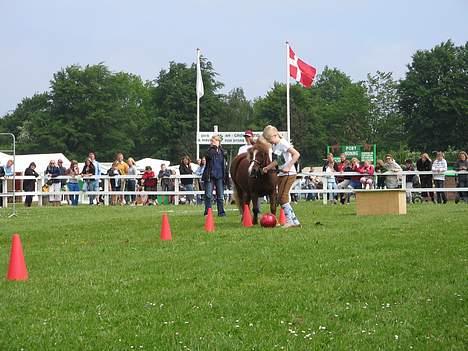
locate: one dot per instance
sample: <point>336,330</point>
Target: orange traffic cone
<point>165,228</point>
<point>209,221</point>
<point>282,217</point>
<point>17,269</point>
<point>246,217</point>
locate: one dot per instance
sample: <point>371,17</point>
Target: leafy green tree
<point>93,108</point>
<point>238,111</point>
<point>172,128</point>
<point>386,127</point>
<point>29,124</point>
<point>434,98</point>
<point>343,106</point>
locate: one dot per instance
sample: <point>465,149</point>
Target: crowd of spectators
<point>387,175</point>
<point>363,175</point>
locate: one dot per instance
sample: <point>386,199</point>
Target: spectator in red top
<point>150,183</point>
<point>355,180</point>
<point>367,180</point>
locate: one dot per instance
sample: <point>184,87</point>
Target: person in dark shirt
<point>29,184</point>
<point>425,164</point>
<point>215,174</point>
<point>186,169</point>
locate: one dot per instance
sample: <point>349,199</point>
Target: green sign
<point>366,152</point>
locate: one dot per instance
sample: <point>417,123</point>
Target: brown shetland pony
<point>249,181</point>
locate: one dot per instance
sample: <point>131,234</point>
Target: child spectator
<point>367,181</point>
<point>114,182</point>
<point>409,180</point>
<point>439,167</point>
<point>379,169</point>
<point>150,183</point>
<point>346,183</point>
<point>330,167</point>
<point>462,179</point>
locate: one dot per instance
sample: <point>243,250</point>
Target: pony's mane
<point>260,145</point>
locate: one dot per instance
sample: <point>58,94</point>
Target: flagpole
<point>198,109</point>
<point>288,112</point>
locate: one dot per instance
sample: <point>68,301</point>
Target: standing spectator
<point>9,171</point>
<point>248,137</point>
<point>409,180</point>
<point>164,176</point>
<point>215,174</point>
<point>30,184</point>
<point>439,167</point>
<point>9,168</point>
<point>462,179</point>
<point>285,157</point>
<point>367,180</point>
<point>131,182</point>
<point>52,172</point>
<point>150,182</point>
<point>73,172</point>
<point>330,167</point>
<point>94,185</point>
<point>199,182</point>
<point>355,179</point>
<point>63,181</point>
<point>165,180</point>
<point>340,166</point>
<point>391,181</point>
<point>122,166</point>
<point>379,169</point>
<point>88,173</point>
<point>2,175</point>
<point>424,164</point>
<point>186,169</point>
<point>346,182</point>
<point>114,181</point>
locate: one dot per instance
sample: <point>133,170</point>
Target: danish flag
<point>301,71</point>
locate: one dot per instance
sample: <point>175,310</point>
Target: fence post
<point>4,198</point>
<point>39,185</point>
<point>106,189</point>
<point>176,188</point>
<point>325,188</point>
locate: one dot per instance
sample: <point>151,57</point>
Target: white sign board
<point>229,138</point>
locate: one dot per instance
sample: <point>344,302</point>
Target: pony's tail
<point>235,196</point>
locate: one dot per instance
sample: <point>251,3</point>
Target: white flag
<point>200,89</point>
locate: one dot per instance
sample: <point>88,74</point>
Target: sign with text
<point>366,152</point>
<point>229,138</point>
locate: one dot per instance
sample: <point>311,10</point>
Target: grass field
<point>100,279</point>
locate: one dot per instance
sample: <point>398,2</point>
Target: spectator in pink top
<point>367,180</point>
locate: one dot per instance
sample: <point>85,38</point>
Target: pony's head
<point>259,155</point>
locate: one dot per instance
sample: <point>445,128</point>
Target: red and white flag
<point>301,71</point>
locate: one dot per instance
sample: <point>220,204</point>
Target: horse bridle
<point>260,165</point>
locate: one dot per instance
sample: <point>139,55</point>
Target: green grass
<point>100,279</point>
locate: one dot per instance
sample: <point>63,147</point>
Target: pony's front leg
<point>273,203</point>
<point>256,210</point>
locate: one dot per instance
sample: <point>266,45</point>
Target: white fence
<point>39,194</point>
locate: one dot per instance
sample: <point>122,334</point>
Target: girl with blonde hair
<point>284,157</point>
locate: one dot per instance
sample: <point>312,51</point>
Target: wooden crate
<point>380,201</point>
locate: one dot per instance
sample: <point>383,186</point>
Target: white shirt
<point>283,157</point>
<point>439,166</point>
<point>244,148</point>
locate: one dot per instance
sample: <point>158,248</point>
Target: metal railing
<point>39,194</point>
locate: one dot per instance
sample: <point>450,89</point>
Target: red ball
<point>268,220</point>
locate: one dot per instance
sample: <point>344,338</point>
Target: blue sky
<point>244,39</point>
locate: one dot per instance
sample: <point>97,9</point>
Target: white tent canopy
<point>41,160</point>
<point>153,162</point>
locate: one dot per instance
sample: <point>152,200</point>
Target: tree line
<point>92,108</point>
